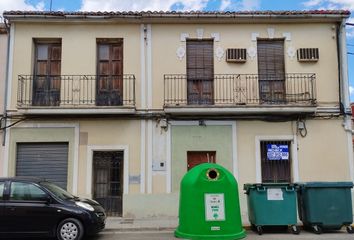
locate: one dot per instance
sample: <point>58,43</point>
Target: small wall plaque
<point>134,179</point>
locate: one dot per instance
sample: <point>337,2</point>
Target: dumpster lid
<point>267,185</point>
<point>326,184</point>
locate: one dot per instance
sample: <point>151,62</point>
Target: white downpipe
<point>347,124</point>
<point>143,106</point>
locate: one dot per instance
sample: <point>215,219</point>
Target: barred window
<point>276,161</point>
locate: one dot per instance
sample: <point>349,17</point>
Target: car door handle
<point>11,208</point>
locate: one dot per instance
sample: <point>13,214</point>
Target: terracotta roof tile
<point>345,13</point>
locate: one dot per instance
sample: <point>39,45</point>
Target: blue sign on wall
<point>277,152</point>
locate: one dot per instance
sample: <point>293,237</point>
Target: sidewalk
<point>163,228</point>
<point>147,224</point>
<point>117,224</point>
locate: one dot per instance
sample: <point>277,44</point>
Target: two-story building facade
<point>119,106</point>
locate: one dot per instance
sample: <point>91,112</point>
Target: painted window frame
<point>294,165</point>
<point>89,162</point>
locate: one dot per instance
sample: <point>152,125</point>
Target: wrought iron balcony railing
<point>240,89</point>
<point>76,91</point>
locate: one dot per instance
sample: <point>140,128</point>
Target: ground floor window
<point>275,161</point>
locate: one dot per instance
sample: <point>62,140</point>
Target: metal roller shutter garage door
<point>45,160</point>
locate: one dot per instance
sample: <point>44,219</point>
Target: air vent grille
<point>307,54</point>
<point>238,55</point>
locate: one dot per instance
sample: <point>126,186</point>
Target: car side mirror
<point>47,199</point>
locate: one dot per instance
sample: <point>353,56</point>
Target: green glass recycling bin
<point>325,205</point>
<point>209,205</point>
<point>272,204</point>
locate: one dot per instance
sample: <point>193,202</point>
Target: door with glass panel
<point>109,72</point>
<point>108,181</point>
<point>271,71</point>
<point>46,78</point>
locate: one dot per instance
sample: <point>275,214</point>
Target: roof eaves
<point>339,14</point>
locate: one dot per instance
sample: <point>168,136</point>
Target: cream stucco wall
<point>322,36</point>
<point>321,155</point>
<point>79,51</point>
<point>78,48</point>
<point>101,134</point>
<point>35,133</point>
<point>3,57</point>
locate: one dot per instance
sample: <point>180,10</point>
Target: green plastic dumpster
<point>272,204</point>
<point>209,204</point>
<point>325,205</point>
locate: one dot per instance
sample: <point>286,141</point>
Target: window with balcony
<point>200,72</point>
<point>271,71</point>
<point>46,88</point>
<point>269,86</point>
<point>47,67</point>
<point>109,72</point>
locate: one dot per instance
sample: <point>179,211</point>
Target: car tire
<point>70,229</point>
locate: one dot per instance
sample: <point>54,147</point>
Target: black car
<point>36,207</point>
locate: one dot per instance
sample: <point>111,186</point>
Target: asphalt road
<point>338,235</point>
<point>342,235</point>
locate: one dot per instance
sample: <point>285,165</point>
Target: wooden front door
<point>195,158</point>
<point>110,73</point>
<point>271,70</point>
<point>200,72</point>
<point>108,181</point>
<point>46,79</point>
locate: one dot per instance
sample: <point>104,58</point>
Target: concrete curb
<point>150,229</point>
<point>140,229</point>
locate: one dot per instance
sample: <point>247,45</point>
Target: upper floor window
<point>271,70</point>
<point>47,71</point>
<point>200,71</point>
<point>109,72</point>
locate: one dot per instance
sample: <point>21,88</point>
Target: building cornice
<point>182,17</point>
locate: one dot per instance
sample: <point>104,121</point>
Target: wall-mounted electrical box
<point>159,166</point>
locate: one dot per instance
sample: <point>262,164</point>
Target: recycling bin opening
<point>213,174</point>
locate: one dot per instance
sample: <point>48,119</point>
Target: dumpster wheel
<point>317,229</point>
<point>295,229</point>
<point>259,230</point>
<point>350,229</point>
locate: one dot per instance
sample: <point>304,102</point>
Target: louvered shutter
<point>200,71</point>
<point>271,71</point>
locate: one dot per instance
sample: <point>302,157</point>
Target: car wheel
<point>70,229</point>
